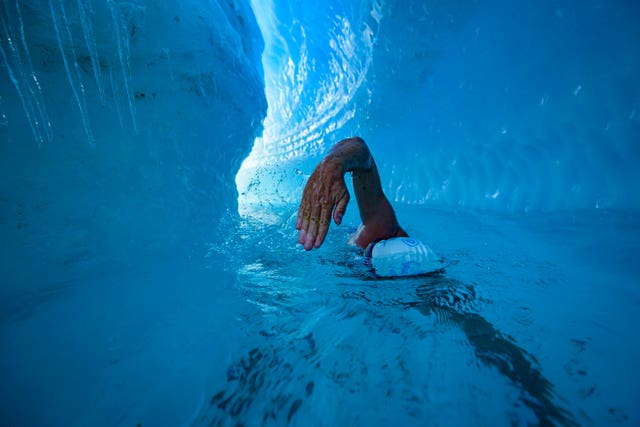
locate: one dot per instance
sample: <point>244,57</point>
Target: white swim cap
<point>403,256</point>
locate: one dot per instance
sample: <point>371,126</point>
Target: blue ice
<point>152,157</point>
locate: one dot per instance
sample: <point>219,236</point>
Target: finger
<point>323,225</point>
<point>341,208</point>
<point>302,223</point>
<point>312,231</point>
<point>304,226</point>
<point>301,211</point>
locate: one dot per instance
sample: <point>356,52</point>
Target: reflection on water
<point>493,348</point>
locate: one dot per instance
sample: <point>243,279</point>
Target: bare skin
<point>325,195</point>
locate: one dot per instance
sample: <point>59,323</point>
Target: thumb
<point>341,208</point>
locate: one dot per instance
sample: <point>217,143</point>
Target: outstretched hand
<point>324,194</point>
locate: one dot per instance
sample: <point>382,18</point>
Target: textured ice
<point>505,106</point>
<point>124,124</point>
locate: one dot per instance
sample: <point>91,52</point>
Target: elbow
<point>356,140</point>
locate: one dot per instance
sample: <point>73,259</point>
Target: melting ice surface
<point>152,157</point>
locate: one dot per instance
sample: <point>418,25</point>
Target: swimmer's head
<point>403,256</point>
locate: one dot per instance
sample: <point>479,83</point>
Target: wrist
<point>352,154</point>
<point>334,162</point>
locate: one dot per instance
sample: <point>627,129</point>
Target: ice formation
<point>128,120</point>
<point>124,124</point>
<point>129,128</point>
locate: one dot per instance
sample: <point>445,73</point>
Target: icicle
<point>115,96</point>
<point>25,104</point>
<point>79,92</point>
<point>42,111</point>
<point>123,55</point>
<point>3,116</point>
<point>23,77</point>
<point>84,10</point>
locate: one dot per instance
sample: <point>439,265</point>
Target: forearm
<point>354,156</point>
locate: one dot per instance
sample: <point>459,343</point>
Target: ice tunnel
<point>153,154</point>
<point>466,108</point>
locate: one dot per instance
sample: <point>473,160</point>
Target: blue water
<point>523,327</point>
<point>152,155</point>
<point>532,322</point>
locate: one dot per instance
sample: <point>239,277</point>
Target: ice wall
<point>506,106</point>
<point>122,126</point>
<point>122,123</point>
<point>511,106</point>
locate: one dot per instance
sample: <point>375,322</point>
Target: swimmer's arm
<point>377,214</point>
<point>326,192</point>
